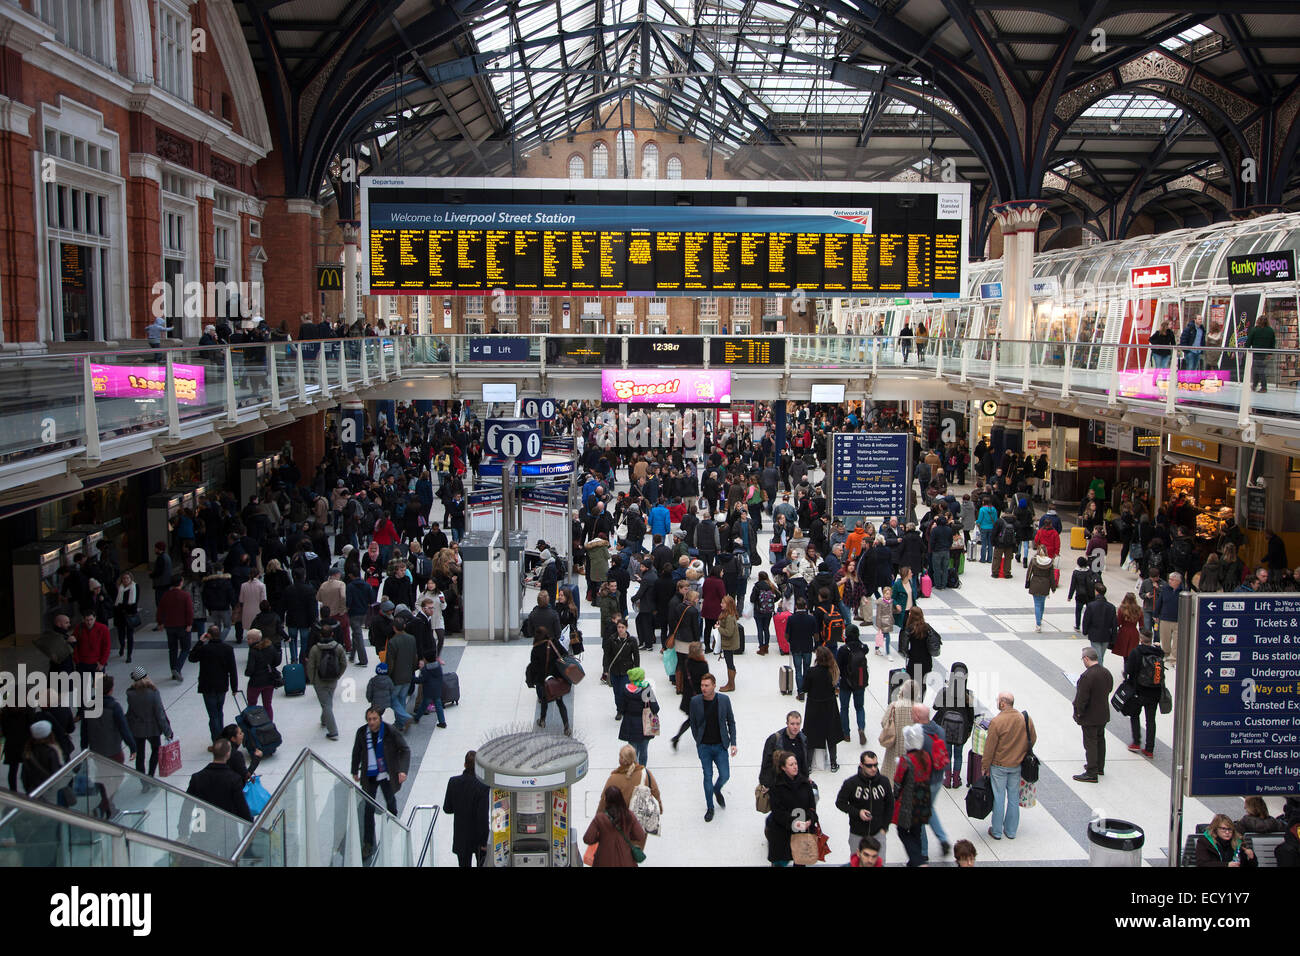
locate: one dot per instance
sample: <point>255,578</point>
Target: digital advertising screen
<point>660,237</point>
<point>665,386</point>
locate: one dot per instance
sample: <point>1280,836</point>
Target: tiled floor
<point>988,624</point>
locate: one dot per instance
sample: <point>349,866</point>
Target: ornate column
<point>1019,221</point>
<point>351,229</point>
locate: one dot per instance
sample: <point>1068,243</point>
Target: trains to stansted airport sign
<point>661,237</point>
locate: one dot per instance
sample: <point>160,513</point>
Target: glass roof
<point>1186,37</point>
<point>1135,106</point>
<point>717,68</point>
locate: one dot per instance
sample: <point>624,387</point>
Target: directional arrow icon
<point>1211,605</point>
<point>1210,639</point>
<point>1209,656</point>
<point>1209,672</point>
<point>1209,688</point>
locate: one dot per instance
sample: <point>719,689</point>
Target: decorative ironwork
<point>1075,101</point>
<point>1236,107</point>
<point>1154,65</point>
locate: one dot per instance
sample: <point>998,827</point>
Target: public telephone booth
<point>531,776</point>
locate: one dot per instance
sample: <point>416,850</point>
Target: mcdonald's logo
<point>329,279</point>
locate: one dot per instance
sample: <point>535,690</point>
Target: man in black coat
<point>216,661</point>
<point>467,801</point>
<point>790,738</point>
<point>380,760</point>
<point>217,785</point>
<point>1100,622</point>
<point>1092,713</point>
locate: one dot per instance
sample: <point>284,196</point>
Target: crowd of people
<point>321,573</point>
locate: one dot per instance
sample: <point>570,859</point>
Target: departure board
<point>746,350</point>
<point>591,237</point>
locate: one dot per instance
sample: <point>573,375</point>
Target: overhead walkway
<point>72,415</point>
<point>97,812</point>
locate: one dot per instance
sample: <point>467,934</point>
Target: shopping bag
<point>589,855</point>
<point>169,758</point>
<point>803,849</point>
<point>1028,793</point>
<point>670,662</point>
<point>977,737</point>
<point>256,796</point>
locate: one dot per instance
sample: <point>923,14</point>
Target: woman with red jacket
<point>385,536</point>
<point>1049,539</point>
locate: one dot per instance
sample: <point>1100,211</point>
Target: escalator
<point>97,812</point>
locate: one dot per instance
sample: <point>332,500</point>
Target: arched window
<point>599,161</point>
<point>624,153</point>
<point>650,161</point>
<point>674,167</point>
<point>577,169</point>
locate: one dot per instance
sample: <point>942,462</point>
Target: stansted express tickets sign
<point>683,386</point>
<point>148,381</point>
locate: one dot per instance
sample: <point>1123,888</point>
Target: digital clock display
<point>660,352</point>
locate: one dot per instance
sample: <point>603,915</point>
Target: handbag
<point>1125,701</point>
<point>762,799</point>
<point>169,758</point>
<point>589,855</point>
<point>823,846</point>
<point>256,796</point>
<point>888,733</point>
<point>555,688</point>
<point>133,621</point>
<point>867,608</point>
<point>572,670</point>
<point>1166,701</point>
<point>621,531</point>
<point>638,854</point>
<point>649,721</point>
<point>803,849</point>
<point>1029,766</point>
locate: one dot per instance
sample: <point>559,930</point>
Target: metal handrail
<point>18,803</point>
<point>428,834</point>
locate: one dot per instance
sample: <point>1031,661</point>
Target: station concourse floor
<point>987,623</point>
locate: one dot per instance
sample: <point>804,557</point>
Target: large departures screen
<point>660,237</point>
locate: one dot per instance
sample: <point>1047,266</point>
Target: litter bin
<point>1114,843</point>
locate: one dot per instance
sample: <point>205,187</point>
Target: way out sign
<point>517,438</point>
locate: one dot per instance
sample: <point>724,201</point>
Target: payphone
<point>161,511</point>
<point>36,584</point>
<point>531,778</point>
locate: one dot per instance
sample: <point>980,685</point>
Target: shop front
<point>1200,475</point>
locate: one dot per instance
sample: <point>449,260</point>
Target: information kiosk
<point>531,776</point>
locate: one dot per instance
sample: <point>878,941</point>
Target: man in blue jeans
<point>216,662</point>
<point>1011,735</point>
<point>935,738</point>
<point>801,633</point>
<point>713,725</point>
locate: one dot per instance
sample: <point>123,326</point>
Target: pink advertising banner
<point>148,381</point>
<point>1154,382</point>
<point>685,386</point>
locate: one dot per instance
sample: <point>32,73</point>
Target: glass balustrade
<point>45,409</point>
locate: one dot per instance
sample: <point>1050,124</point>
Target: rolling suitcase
<point>785,679</point>
<point>780,619</point>
<point>896,678</point>
<point>450,687</point>
<point>953,580</point>
<point>979,798</point>
<point>974,767</point>
<point>1078,538</point>
<point>259,729</point>
<point>295,679</point>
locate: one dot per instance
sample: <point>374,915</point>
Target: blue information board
<point>1245,724</point>
<point>869,474</point>
<point>498,348</point>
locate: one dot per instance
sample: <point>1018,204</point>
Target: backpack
<point>933,641</point>
<point>1006,536</point>
<point>833,629</point>
<point>954,726</point>
<point>915,811</point>
<point>938,752</point>
<point>327,668</point>
<point>766,601</point>
<point>1152,671</point>
<point>856,673</point>
<point>644,806</point>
